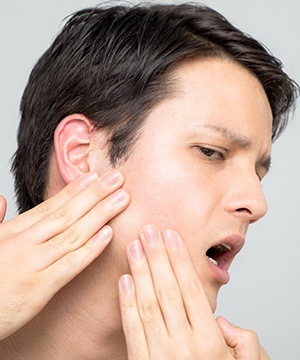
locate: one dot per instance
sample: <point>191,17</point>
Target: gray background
<point>264,293</point>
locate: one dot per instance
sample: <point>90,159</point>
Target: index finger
<point>28,218</point>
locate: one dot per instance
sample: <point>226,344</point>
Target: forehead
<point>219,93</point>
<point>209,81</point>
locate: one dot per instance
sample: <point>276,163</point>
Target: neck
<point>81,322</point>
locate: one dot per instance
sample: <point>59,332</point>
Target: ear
<point>72,140</point>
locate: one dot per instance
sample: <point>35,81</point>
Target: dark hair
<point>113,65</point>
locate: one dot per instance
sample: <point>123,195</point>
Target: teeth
<point>212,260</point>
<point>227,246</point>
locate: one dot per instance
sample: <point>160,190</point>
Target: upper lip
<point>235,244</point>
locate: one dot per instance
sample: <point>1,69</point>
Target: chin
<point>212,296</point>
<point>213,305</point>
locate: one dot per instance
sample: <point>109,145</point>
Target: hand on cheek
<point>43,249</point>
<point>164,308</point>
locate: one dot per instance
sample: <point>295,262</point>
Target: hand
<point>244,342</point>
<point>43,249</point>
<point>164,308</point>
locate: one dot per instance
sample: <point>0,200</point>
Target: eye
<point>209,154</point>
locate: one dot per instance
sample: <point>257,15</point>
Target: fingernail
<point>88,178</point>
<point>150,233</point>
<point>105,233</point>
<point>126,283</point>
<point>172,239</point>
<point>111,178</point>
<point>136,249</point>
<point>118,196</point>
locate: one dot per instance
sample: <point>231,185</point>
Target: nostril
<point>245,210</point>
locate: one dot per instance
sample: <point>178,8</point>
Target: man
<point>186,107</point>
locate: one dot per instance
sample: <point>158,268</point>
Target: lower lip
<point>221,275</point>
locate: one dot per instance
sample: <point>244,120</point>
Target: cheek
<point>168,199</point>
<point>169,195</point>
<point>180,203</point>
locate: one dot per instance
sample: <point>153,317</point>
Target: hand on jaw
<point>165,312</point>
<point>43,249</point>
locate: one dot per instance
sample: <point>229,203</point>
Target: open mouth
<point>220,255</point>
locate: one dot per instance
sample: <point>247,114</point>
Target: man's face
<point>197,166</point>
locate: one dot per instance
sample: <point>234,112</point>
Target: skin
<point>49,246</point>
<point>219,106</point>
<point>219,194</point>
<point>157,317</point>
<point>174,182</point>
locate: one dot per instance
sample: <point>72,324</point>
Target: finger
<point>74,209</point>
<point>45,285</point>
<point>244,342</point>
<point>195,300</point>
<point>148,305</point>
<point>136,343</point>
<point>79,233</point>
<point>28,218</point>
<point>166,286</point>
<point>69,266</point>
<point>3,206</point>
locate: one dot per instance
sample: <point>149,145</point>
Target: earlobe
<point>72,139</point>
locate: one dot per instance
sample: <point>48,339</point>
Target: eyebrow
<point>236,138</point>
<point>241,141</point>
<point>265,163</point>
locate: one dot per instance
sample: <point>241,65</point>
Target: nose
<point>245,198</point>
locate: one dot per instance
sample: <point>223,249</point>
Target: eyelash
<point>210,154</point>
<point>216,155</point>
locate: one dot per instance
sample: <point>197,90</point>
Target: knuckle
<point>45,208</point>
<point>149,310</point>
<point>54,245</point>
<point>70,237</point>
<point>249,336</point>
<point>169,295</point>
<point>150,318</point>
<point>127,304</point>
<point>171,298</point>
<point>191,289</point>
<point>72,190</point>
<point>27,284</point>
<point>63,215</point>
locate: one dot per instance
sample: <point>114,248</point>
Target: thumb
<point>244,343</point>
